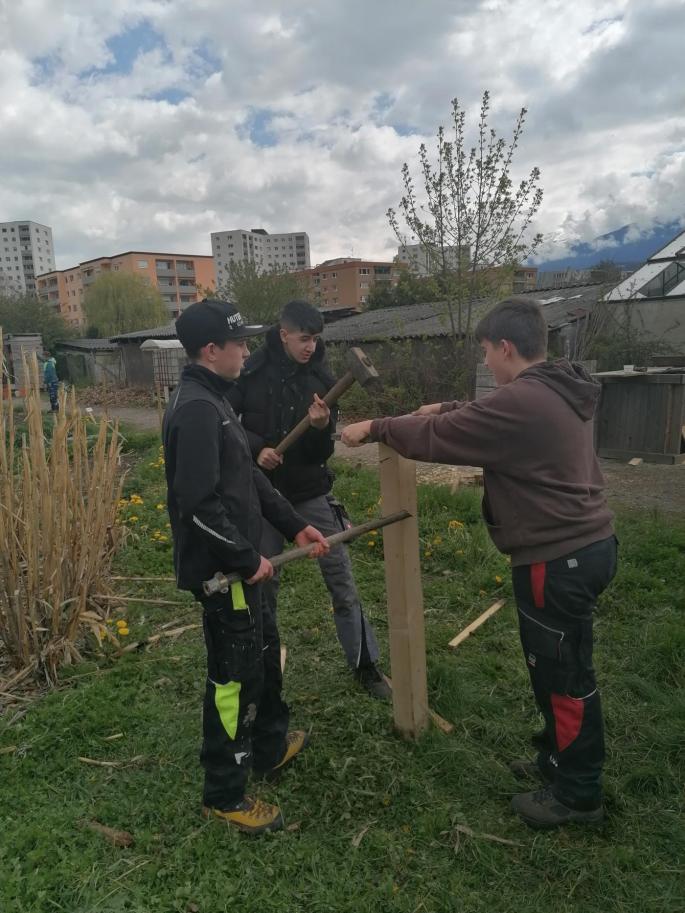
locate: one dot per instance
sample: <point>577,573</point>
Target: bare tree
<point>470,218</point>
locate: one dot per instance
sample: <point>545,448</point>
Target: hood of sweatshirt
<point>571,382</point>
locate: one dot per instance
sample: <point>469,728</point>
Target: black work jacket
<point>216,495</point>
<point>271,395</point>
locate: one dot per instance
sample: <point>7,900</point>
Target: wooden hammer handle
<point>337,390</point>
<point>219,583</point>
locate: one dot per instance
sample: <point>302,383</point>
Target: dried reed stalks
<point>58,504</point>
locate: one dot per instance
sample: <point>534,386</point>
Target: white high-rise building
<point>425,262</point>
<point>26,251</point>
<point>284,251</point>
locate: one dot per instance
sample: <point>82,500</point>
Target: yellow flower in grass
<point>455,524</point>
<point>481,592</point>
<point>120,623</point>
<point>437,540</point>
<point>133,519</point>
<point>427,553</point>
<point>123,632</point>
<point>160,506</point>
<point>459,551</point>
<point>498,579</point>
<point>163,538</point>
<point>122,502</point>
<point>370,543</point>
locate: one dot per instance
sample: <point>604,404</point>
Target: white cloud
<point>145,141</point>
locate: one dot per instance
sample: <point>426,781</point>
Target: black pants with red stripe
<point>556,600</point>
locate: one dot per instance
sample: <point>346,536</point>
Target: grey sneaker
<point>371,678</point>
<point>523,769</point>
<point>542,810</point>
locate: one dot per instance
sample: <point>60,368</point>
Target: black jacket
<point>216,495</point>
<point>272,394</point>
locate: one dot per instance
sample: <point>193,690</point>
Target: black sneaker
<point>542,810</point>
<point>524,769</point>
<point>372,680</point>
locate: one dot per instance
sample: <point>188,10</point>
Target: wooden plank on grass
<point>469,629</point>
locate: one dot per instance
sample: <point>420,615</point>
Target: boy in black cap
<point>216,499</point>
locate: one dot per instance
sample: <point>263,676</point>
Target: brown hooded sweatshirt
<point>543,488</point>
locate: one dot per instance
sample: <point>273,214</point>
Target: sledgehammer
<point>359,369</point>
<point>220,583</point>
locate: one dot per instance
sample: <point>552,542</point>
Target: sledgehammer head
<point>361,367</point>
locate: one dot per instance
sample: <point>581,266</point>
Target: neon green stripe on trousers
<point>227,702</point>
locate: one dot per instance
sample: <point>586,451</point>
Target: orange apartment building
<point>180,278</point>
<point>345,281</point>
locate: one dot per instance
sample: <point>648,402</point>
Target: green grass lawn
<point>374,823</point>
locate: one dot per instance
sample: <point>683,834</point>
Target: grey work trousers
<point>355,634</point>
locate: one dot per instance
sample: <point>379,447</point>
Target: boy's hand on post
<point>319,413</point>
<point>268,458</point>
<point>430,409</point>
<point>311,536</point>
<point>356,434</point>
<point>265,571</point>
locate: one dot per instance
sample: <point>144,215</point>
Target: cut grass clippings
<point>374,823</point>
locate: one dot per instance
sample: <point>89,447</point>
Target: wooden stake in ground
<point>440,721</point>
<point>469,629</point>
<point>404,594</point>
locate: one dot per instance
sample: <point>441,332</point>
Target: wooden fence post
<point>404,594</point>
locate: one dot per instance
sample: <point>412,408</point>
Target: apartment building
<point>425,262</point>
<point>180,278</point>
<point>345,282</point>
<point>26,251</point>
<point>288,251</point>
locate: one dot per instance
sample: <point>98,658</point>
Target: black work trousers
<point>555,601</point>
<point>245,719</point>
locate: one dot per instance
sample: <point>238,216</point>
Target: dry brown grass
<point>58,504</point>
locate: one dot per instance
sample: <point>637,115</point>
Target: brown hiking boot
<point>542,810</point>
<point>524,769</point>
<point>251,816</point>
<point>295,742</point>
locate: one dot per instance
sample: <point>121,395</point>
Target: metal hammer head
<point>361,367</point>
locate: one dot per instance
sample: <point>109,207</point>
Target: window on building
<point>142,264</point>
<point>665,282</point>
<point>363,271</point>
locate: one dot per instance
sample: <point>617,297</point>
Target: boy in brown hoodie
<point>544,506</point>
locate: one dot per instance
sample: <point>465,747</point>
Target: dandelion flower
<point>133,519</point>
<point>123,632</point>
<point>160,506</point>
<point>371,543</point>
<point>498,579</point>
<point>437,540</point>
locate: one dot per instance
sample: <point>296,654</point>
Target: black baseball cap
<point>213,320</point>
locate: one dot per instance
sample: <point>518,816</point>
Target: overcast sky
<point>147,124</point>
